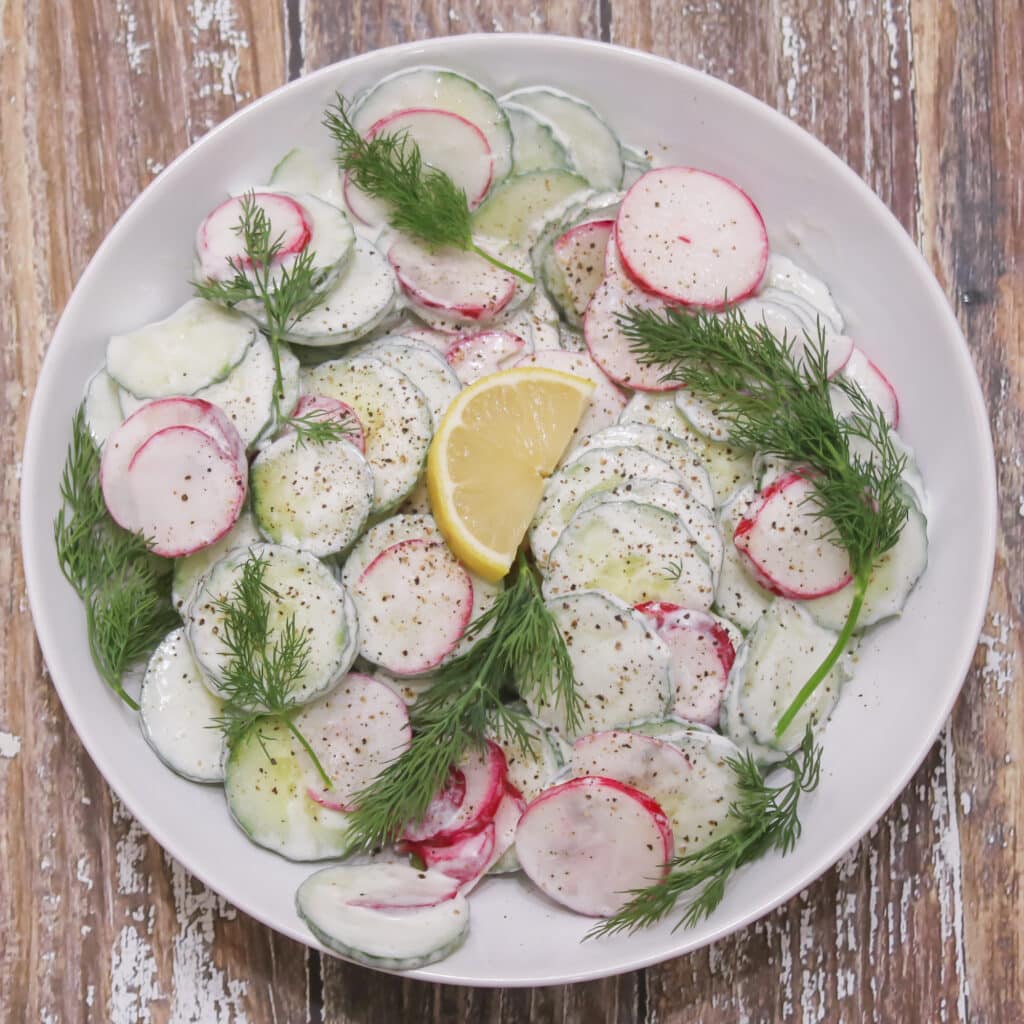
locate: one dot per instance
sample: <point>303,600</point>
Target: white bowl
<point>818,211</point>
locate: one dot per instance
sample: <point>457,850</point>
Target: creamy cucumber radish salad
<point>308,582</point>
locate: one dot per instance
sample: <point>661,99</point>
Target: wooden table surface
<point>923,920</point>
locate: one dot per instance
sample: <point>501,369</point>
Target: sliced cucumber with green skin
<point>780,654</point>
<point>439,89</point>
<point>514,210</point>
<point>600,469</point>
<point>313,497</point>
<point>178,714</point>
<point>783,274</point>
<point>593,147</point>
<point>893,577</point>
<point>267,778</point>
<point>188,571</point>
<point>663,445</point>
<point>674,498</point>
<point>620,664</point>
<point>702,416</point>
<point>424,366</point>
<point>304,588</point>
<point>738,596</point>
<point>352,910</point>
<point>307,171</point>
<point>536,143</point>
<point>360,300</point>
<point>102,406</point>
<point>395,416</point>
<point>635,552</point>
<point>197,345</point>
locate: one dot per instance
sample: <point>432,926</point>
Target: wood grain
<point>922,921</point>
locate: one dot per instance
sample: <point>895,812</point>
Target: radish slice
<point>447,142</point>
<point>692,236</point>
<point>465,859</point>
<point>484,353</point>
<point>322,407</point>
<point>784,543</point>
<point>441,810</point>
<point>588,841</point>
<point>607,344</point>
<point>606,401</point>
<point>414,602</point>
<point>354,731</point>
<point>220,246</point>
<point>875,385</point>
<point>484,780</point>
<point>181,490</point>
<point>702,655</point>
<point>457,282</point>
<point>429,889</point>
<point>580,254</point>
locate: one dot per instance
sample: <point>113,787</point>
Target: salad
<point>500,502</point>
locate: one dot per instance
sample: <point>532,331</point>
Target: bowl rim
<point>49,635</point>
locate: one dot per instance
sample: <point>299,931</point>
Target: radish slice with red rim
<point>784,543</point>
<point>320,407</point>
<point>579,255</point>
<point>181,491</point>
<point>459,283</point>
<point>414,602</point>
<point>875,385</point>
<point>692,236</point>
<point>481,354</point>
<point>447,142</point>
<point>355,731</point>
<point>221,248</point>
<point>587,842</point>
<point>464,859</point>
<point>702,655</point>
<point>440,811</point>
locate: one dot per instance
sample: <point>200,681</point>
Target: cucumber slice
<point>307,171</point>
<point>620,664</point>
<point>395,416</point>
<point>189,570</point>
<point>738,596</point>
<point>315,498</point>
<point>440,89</point>
<point>702,416</point>
<point>536,143</point>
<point>892,579</point>
<point>304,588</point>
<point>515,209</point>
<point>197,345</point>
<point>351,910</point>
<point>593,147</point>
<point>779,655</point>
<point>102,406</point>
<point>635,552</point>
<point>178,714</point>
<point>267,779</point>
<point>811,293</point>
<point>423,365</point>
<point>600,469</point>
<point>533,770</point>
<point>362,298</point>
<point>663,445</point>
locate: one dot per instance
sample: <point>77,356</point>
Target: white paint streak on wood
<point>218,43</point>
<point>128,26</point>
<point>794,47</point>
<point>10,745</point>
<point>131,848</point>
<point>133,978</point>
<point>1000,667</point>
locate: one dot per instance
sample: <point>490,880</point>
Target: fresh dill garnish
<point>777,401</point>
<point>518,643</point>
<point>285,292</point>
<point>319,427</point>
<point>762,818</point>
<point>261,674</point>
<point>672,571</point>
<point>423,201</point>
<point>126,590</point>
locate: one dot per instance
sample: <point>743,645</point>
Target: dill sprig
<point>517,642</point>
<point>285,292</point>
<point>778,402</point>
<point>423,201</point>
<point>762,818</point>
<point>259,680</point>
<point>126,594</point>
<point>317,426</point>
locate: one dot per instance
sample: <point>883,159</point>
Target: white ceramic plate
<point>817,211</point>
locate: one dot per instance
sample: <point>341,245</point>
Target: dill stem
<point>860,586</point>
<point>473,247</point>
<point>297,733</point>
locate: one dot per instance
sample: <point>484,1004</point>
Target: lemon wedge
<point>497,443</point>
